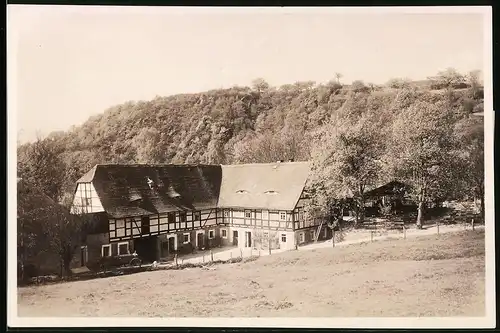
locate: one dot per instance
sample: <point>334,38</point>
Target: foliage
<point>299,121</point>
<point>349,161</point>
<point>40,164</point>
<point>422,151</point>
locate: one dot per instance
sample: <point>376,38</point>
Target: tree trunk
<point>420,213</point>
<point>481,200</point>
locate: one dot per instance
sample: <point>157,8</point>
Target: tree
<point>338,76</point>
<point>470,135</point>
<point>65,234</point>
<point>260,85</point>
<point>147,144</point>
<point>41,165</point>
<point>44,226</point>
<point>421,152</point>
<point>448,79</point>
<point>346,157</point>
<point>474,81</point>
<point>398,83</point>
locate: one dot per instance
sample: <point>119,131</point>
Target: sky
<point>69,63</point>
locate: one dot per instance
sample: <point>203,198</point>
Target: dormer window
<point>271,192</point>
<point>150,182</point>
<point>242,191</point>
<point>172,193</point>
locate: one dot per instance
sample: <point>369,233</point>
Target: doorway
<point>200,240</point>
<point>84,255</point>
<point>146,248</point>
<point>235,237</point>
<point>248,239</point>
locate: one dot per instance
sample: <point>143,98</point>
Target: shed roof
<point>391,188</point>
<point>264,185</point>
<point>141,189</point>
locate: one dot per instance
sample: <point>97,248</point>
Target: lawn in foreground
<point>441,275</point>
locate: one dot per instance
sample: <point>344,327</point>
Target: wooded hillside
<point>240,124</point>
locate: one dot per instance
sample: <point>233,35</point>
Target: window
<point>282,216</point>
<point>182,216</point>
<point>171,217</point>
<point>301,237</point>
<point>248,214</point>
<point>86,202</point>
<point>197,216</point>
<point>186,238</point>
<point>211,234</point>
<point>106,250</point>
<point>313,233</point>
<point>123,249</point>
<point>145,224</point>
<point>283,238</point>
<point>265,234</point>
<point>226,213</point>
<point>223,233</point>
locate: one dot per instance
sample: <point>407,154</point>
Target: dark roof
<point>140,189</point>
<point>391,188</point>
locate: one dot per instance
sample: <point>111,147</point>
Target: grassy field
<point>441,275</point>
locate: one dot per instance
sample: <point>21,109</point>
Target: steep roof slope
<point>275,186</point>
<point>139,189</point>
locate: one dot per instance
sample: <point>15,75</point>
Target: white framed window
<point>282,216</point>
<point>197,216</point>
<point>265,234</point>
<point>265,215</point>
<point>226,213</point>
<point>186,238</point>
<point>248,214</point>
<point>211,234</point>
<point>301,237</point>
<point>123,248</point>
<point>283,238</point>
<point>223,233</point>
<point>106,250</point>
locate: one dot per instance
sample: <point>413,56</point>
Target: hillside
<point>240,124</point>
<point>430,276</point>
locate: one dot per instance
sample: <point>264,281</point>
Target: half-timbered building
<point>158,210</point>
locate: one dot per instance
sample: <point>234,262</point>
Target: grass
<point>440,275</point>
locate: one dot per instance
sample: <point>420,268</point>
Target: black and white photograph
<point>250,167</point>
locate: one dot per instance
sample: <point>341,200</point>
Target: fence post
<point>211,256</point>
<point>241,253</point>
<point>437,224</point>
<point>250,252</point>
<point>259,253</point>
<point>472,224</point>
<point>203,257</point>
<point>404,231</point>
<point>231,255</point>
<point>371,235</point>
<point>175,259</point>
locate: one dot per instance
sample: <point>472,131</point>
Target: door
<point>200,240</point>
<point>248,239</point>
<point>83,255</point>
<point>235,237</point>
<point>171,245</point>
